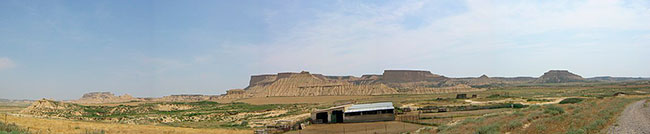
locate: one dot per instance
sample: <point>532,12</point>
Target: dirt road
<point>635,119</point>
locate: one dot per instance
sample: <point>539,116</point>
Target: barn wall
<point>369,118</point>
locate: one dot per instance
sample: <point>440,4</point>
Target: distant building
<point>383,111</point>
<point>461,96</point>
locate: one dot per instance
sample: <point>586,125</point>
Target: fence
<point>388,127</point>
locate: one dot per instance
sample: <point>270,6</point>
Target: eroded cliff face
<point>262,79</point>
<point>306,84</point>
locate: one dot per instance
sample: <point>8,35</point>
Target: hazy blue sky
<point>62,49</point>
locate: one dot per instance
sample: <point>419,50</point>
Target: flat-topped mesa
<point>103,97</point>
<point>559,76</point>
<point>293,74</point>
<point>270,78</point>
<point>261,79</point>
<point>98,95</point>
<point>409,76</point>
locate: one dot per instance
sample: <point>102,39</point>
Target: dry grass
<point>305,99</point>
<point>589,116</point>
<point>38,125</point>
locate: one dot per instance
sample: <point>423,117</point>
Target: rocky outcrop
<point>104,97</point>
<point>51,108</point>
<point>559,76</point>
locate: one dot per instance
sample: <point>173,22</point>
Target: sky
<point>146,48</point>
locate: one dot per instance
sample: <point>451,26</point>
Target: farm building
<point>383,111</point>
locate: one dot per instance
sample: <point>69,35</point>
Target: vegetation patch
<point>11,128</point>
<point>571,100</point>
<point>553,110</point>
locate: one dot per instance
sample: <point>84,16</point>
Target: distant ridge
<point>305,83</point>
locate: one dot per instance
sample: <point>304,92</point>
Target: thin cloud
<point>6,63</point>
<point>350,39</point>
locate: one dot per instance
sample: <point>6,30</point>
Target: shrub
<point>576,131</point>
<point>11,129</point>
<point>594,126</point>
<point>553,110</point>
<point>443,127</point>
<point>488,129</point>
<point>540,127</point>
<point>518,113</point>
<point>571,100</point>
<point>514,124</point>
<point>534,115</point>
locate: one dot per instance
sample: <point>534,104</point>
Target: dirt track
<point>635,119</point>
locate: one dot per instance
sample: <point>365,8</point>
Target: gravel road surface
<point>635,119</point>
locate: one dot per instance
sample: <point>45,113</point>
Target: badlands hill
<point>559,76</point>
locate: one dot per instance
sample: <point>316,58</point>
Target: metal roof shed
<point>370,107</point>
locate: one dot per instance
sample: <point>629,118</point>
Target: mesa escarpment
<point>559,76</point>
<point>307,84</point>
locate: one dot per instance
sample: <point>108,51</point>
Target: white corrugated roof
<point>370,107</point>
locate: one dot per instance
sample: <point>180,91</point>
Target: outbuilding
<point>383,111</point>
